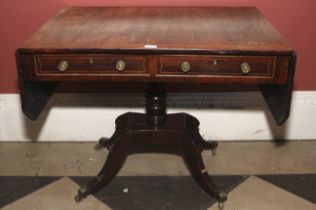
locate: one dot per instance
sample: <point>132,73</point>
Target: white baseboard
<point>223,116</point>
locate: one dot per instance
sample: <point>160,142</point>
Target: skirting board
<point>223,116</point>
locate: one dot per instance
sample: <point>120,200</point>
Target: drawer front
<point>243,66</point>
<point>90,64</point>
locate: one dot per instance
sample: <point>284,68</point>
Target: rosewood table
<point>182,45</point>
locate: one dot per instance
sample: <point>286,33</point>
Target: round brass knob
<point>63,65</point>
<point>245,68</point>
<point>120,65</point>
<point>185,66</point>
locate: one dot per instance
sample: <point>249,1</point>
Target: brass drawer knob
<point>185,66</point>
<point>63,65</point>
<point>120,65</point>
<point>245,68</point>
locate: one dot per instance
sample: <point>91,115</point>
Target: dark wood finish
<point>156,107</point>
<point>155,68</point>
<point>89,64</point>
<point>34,95</point>
<point>279,97</point>
<point>181,130</point>
<point>153,43</point>
<point>232,35</point>
<point>218,66</point>
<point>179,28</point>
<point>201,30</point>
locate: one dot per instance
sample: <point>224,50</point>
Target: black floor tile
<point>176,192</point>
<point>303,185</point>
<point>15,187</point>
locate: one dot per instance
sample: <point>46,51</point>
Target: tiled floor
<point>254,193</point>
<point>58,195</point>
<point>257,175</point>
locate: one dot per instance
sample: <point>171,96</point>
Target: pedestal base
<point>181,130</point>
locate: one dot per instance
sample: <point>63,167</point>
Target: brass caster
<point>98,146</point>
<point>223,197</point>
<point>220,205</point>
<point>77,198</point>
<point>82,193</point>
<point>214,152</point>
<point>83,190</point>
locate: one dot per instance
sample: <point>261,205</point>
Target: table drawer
<point>90,64</point>
<point>247,66</point>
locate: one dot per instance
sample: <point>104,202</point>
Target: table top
<point>180,28</point>
<point>160,44</point>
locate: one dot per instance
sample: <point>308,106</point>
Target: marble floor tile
<point>159,192</point>
<point>233,158</point>
<point>69,159</point>
<point>23,159</point>
<point>256,194</point>
<point>151,164</point>
<point>13,188</point>
<point>238,158</point>
<point>57,196</point>
<point>303,185</point>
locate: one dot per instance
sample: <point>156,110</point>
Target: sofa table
<point>156,46</point>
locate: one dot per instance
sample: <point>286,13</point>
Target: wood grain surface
<point>200,28</point>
